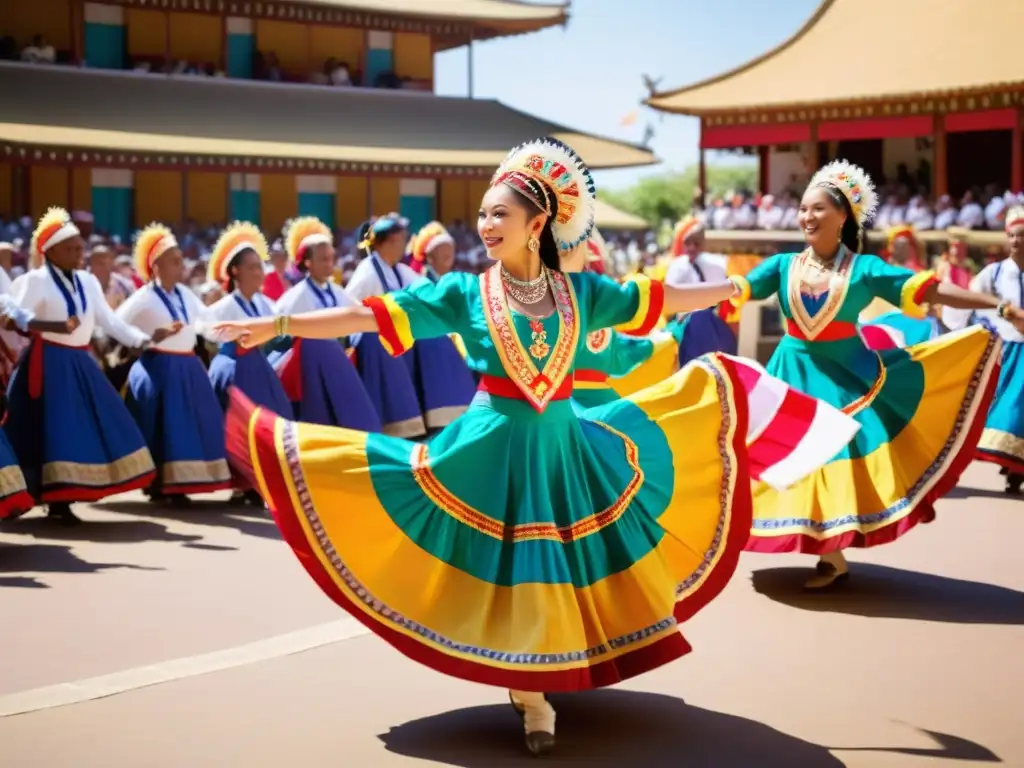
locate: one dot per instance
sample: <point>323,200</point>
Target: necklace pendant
<point>539,348</point>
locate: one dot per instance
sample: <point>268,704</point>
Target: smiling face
<point>442,258</point>
<point>1015,238</point>
<point>169,269</point>
<point>506,222</point>
<point>820,219</point>
<point>69,254</point>
<point>391,248</point>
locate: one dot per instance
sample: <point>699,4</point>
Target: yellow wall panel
<point>414,56</point>
<point>454,202</point>
<point>81,188</point>
<point>291,44</point>
<point>207,197</point>
<point>49,18</point>
<point>146,32</point>
<point>279,202</point>
<point>48,186</point>
<point>158,197</point>
<point>197,37</point>
<point>6,199</point>
<point>343,43</point>
<point>352,201</point>
<point>384,196</point>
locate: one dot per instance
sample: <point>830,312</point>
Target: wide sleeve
<point>27,292</point>
<point>10,309</point>
<point>899,286</point>
<point>633,307</point>
<point>761,282</point>
<point>983,282</point>
<point>114,324</point>
<point>424,310</point>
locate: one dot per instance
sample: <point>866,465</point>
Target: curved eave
<point>63,145</point>
<point>609,217</point>
<point>981,36</point>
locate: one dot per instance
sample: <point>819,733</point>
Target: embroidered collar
<point>838,286</point>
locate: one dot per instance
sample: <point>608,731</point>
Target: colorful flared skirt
<point>389,384</point>
<point>543,552</point>
<point>1002,440</point>
<point>170,398</point>
<point>74,438</point>
<point>251,372</point>
<point>443,382</point>
<point>895,330</point>
<point>704,332</point>
<point>921,412</point>
<point>323,385</point>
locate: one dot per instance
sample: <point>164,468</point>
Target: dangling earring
<point>533,244</point>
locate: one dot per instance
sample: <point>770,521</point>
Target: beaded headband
<point>545,167</point>
<point>237,237</point>
<point>854,184</point>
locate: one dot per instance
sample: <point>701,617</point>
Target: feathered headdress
<point>547,164</point>
<point>901,232</point>
<point>597,253</point>
<point>428,238</point>
<point>54,227</point>
<point>686,227</point>
<point>855,185</point>
<point>237,237</point>
<point>150,244</point>
<point>302,234</point>
<point>1015,217</point>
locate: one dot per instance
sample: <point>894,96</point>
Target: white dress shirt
<point>229,309</point>
<point>1002,279</point>
<point>146,310</point>
<point>37,292</point>
<point>365,282</point>
<point>681,270</point>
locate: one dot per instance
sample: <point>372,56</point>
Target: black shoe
<point>540,743</point>
<point>1013,483</point>
<point>61,513</point>
<point>252,497</point>
<point>179,500</point>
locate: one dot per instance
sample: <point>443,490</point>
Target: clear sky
<point>588,76</point>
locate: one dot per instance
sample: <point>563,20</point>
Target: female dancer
<point>389,382</point>
<point>236,264</point>
<point>1002,441</point>
<point>444,383</point>
<point>921,409</point>
<point>526,545</point>
<point>317,374</point>
<point>71,432</point>
<point>169,394</point>
<point>709,329</point>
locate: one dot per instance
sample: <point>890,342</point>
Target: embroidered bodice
<point>536,354</point>
<point>612,353</point>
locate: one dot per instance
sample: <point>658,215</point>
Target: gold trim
<point>838,288</point>
<point>195,472</point>
<point>413,427</point>
<point>1002,442</point>
<point>12,481</point>
<point>538,387</point>
<point>98,475</point>
<point>437,418</point>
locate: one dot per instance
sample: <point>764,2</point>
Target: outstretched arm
<point>322,324</point>
<point>687,298</point>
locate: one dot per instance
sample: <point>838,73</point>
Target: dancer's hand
<point>162,333</point>
<point>1016,316</point>
<point>73,323</point>
<point>248,333</point>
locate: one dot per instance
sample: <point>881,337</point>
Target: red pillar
<point>764,169</point>
<point>940,165</point>
<point>1017,154</point>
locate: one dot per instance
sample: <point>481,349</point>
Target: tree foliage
<point>669,196</point>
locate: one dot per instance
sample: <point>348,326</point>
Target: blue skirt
<point>323,385</point>
<point>253,375</point>
<point>14,495</point>
<point>171,399</point>
<point>390,386</point>
<point>1002,441</point>
<point>704,332</point>
<point>443,382</point>
<point>74,438</point>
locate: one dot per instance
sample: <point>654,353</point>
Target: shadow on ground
<point>879,591</point>
<point>626,728</point>
<point>47,558</point>
<point>247,520</point>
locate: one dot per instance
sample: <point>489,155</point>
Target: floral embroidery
<point>836,285</point>
<point>540,347</point>
<point>598,341</point>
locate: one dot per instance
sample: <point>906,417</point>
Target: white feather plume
<point>558,166</point>
<point>855,184</point>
